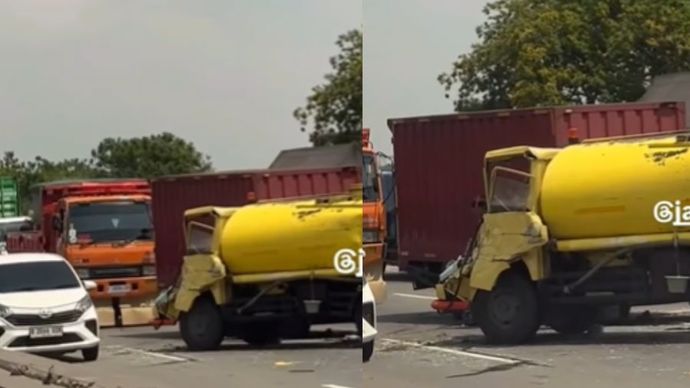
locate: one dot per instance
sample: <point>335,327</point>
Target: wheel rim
<point>504,308</point>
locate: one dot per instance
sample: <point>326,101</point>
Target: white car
<point>44,307</point>
<point>368,322</point>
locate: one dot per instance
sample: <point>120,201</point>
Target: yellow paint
<point>289,236</point>
<point>504,238</point>
<point>591,244</point>
<point>609,189</point>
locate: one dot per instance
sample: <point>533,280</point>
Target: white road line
<point>333,386</point>
<point>415,296</point>
<point>152,354</point>
<point>452,351</point>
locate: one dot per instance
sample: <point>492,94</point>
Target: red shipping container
<point>439,159</point>
<point>173,195</point>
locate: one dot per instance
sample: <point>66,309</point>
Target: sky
<point>224,74</point>
<point>407,44</point>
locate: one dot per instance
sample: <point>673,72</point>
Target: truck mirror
<point>57,224</point>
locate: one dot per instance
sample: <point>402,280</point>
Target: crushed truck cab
<point>572,233</point>
<point>266,271</point>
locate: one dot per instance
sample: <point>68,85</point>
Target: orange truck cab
<point>104,229</point>
<point>374,219</point>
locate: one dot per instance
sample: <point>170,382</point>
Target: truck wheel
<point>508,314</point>
<point>202,326</point>
<point>367,351</point>
<point>571,320</point>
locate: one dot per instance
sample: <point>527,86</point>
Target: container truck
<point>266,271</point>
<point>103,228</point>
<point>438,163</point>
<point>570,232</point>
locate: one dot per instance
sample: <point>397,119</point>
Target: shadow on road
<point>548,338</point>
<point>416,318</point>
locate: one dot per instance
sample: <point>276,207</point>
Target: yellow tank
<point>290,236</point>
<point>611,189</point>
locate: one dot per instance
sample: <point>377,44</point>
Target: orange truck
<point>104,229</point>
<point>374,219</point>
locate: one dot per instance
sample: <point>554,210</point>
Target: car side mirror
<point>57,224</point>
<point>90,285</point>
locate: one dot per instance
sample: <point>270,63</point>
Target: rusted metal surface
<point>173,195</point>
<point>439,159</point>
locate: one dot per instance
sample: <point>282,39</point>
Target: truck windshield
<point>109,222</point>
<point>370,180</point>
<point>36,276</point>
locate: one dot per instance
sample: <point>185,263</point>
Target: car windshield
<point>370,180</point>
<point>36,276</point>
<point>109,222</point>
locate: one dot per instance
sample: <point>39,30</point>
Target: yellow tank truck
<point>569,233</point>
<point>266,271</point>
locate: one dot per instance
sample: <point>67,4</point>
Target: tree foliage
<point>335,107</point>
<point>144,157</point>
<point>148,157</point>
<point>552,52</point>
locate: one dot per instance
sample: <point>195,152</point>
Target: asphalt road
<point>417,347</point>
<point>145,358</point>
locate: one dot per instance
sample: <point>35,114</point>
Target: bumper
<point>76,335</point>
<point>368,331</point>
<point>450,306</point>
<point>141,288</point>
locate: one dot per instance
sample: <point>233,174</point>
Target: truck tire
<point>202,326</point>
<point>508,314</point>
<point>367,351</point>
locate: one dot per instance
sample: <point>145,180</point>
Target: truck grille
<point>35,320</point>
<point>114,272</point>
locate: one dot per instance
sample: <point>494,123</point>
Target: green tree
<point>335,107</point>
<point>552,52</point>
<point>148,157</point>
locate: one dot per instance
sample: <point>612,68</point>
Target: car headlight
<point>148,270</point>
<point>4,311</point>
<point>84,304</point>
<point>370,236</point>
<point>83,273</point>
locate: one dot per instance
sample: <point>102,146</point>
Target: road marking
<point>333,386</point>
<point>452,351</point>
<point>152,354</point>
<point>415,296</point>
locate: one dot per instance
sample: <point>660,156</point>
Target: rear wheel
<point>90,354</point>
<point>202,326</point>
<point>508,314</point>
